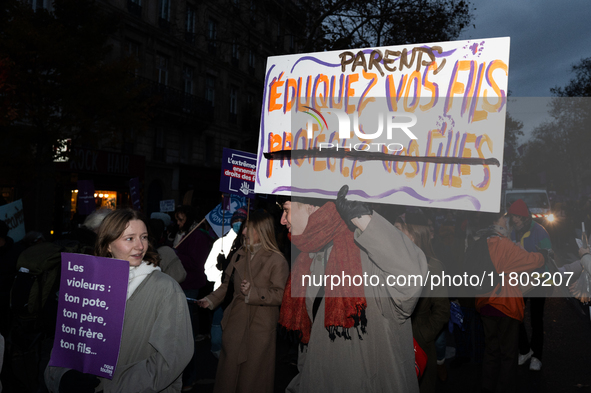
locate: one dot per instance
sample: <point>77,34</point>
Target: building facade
<point>202,63</point>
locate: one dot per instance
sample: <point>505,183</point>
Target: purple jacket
<point>193,252</point>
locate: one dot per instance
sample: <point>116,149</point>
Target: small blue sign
<point>167,205</point>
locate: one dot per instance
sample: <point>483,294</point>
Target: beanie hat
<point>239,214</point>
<point>165,218</point>
<point>415,216</point>
<point>519,208</point>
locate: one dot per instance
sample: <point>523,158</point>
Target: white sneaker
<point>524,358</point>
<point>535,364</point>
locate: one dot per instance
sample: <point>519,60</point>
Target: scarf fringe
<point>359,324</point>
<point>344,306</point>
<point>338,331</point>
<point>360,321</point>
<point>290,335</point>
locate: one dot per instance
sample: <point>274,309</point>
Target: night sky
<point>547,38</point>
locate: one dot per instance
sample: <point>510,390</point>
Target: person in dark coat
<point>502,309</point>
<point>431,313</point>
<point>532,237</point>
<point>9,252</point>
<point>192,245</point>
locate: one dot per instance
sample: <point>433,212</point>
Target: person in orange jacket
<point>503,309</point>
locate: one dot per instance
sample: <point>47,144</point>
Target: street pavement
<point>566,366</point>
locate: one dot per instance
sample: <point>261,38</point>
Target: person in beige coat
<point>257,274</point>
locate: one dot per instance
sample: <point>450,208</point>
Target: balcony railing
<point>211,47</point>
<point>164,24</point>
<point>134,8</point>
<point>175,100</point>
<point>190,37</point>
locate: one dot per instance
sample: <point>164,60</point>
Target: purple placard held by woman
<point>90,315</point>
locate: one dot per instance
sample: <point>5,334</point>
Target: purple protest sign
<point>134,191</point>
<point>90,314</point>
<point>86,203</point>
<point>238,173</point>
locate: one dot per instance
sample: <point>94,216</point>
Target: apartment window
<point>251,61</point>
<point>253,11</point>
<point>129,141</point>
<point>279,40</point>
<point>209,149</point>
<point>159,146</point>
<point>268,25</point>
<point>235,52</point>
<point>38,4</point>
<point>210,90</point>
<point>190,32</point>
<point>190,19</point>
<point>186,149</point>
<point>41,4</point>
<point>164,15</point>
<point>164,9</point>
<point>162,70</point>
<point>211,30</point>
<point>135,7</point>
<point>133,49</point>
<point>188,72</point>
<point>233,104</point>
<point>187,87</point>
<point>211,36</point>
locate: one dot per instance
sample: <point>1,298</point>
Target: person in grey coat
<point>356,336</point>
<point>157,341</point>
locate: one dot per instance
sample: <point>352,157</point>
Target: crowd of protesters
<point>245,291</point>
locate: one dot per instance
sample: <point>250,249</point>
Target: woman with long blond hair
<point>431,313</point>
<point>257,275</point>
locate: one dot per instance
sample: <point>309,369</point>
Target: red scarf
<point>344,304</point>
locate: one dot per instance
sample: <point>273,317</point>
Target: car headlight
<point>550,217</point>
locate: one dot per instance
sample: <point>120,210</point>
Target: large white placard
<point>351,117</point>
